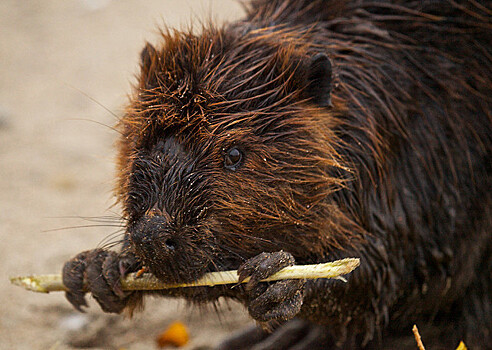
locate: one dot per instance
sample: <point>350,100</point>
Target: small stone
<point>74,322</point>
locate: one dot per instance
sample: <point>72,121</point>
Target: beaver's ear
<point>148,59</point>
<point>147,56</point>
<point>319,79</point>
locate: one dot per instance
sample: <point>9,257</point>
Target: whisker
<point>80,226</point>
<point>112,244</point>
<point>96,122</point>
<point>233,252</point>
<point>210,258</point>
<point>108,239</point>
<point>96,102</point>
<point>107,218</point>
<point>253,237</point>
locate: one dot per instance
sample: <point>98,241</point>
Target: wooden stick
<point>335,269</point>
<point>416,334</point>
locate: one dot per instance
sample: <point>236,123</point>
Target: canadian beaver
<point>308,132</point>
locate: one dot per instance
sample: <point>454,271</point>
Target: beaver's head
<point>227,150</point>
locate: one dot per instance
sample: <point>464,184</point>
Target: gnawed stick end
<point>39,284</point>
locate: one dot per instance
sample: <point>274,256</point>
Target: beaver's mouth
<point>182,263</point>
<point>173,254</point>
<point>176,272</point>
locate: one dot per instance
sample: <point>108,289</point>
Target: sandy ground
<point>56,162</point>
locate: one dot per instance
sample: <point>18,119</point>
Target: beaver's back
<point>417,79</point>
<point>393,166</point>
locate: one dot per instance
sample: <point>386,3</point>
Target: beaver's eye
<point>233,158</point>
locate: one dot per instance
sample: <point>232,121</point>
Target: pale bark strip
<point>335,269</point>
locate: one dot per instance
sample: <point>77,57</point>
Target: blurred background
<point>60,60</point>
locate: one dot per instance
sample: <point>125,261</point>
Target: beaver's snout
<point>152,233</point>
<point>172,254</point>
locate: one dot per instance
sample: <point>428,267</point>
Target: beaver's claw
<point>98,272</point>
<point>271,301</point>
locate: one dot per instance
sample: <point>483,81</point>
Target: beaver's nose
<point>152,232</point>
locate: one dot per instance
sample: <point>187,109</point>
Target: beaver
<point>311,131</point>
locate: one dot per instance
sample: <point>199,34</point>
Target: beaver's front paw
<point>98,272</point>
<point>271,301</point>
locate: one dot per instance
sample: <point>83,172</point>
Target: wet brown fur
<point>397,171</point>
